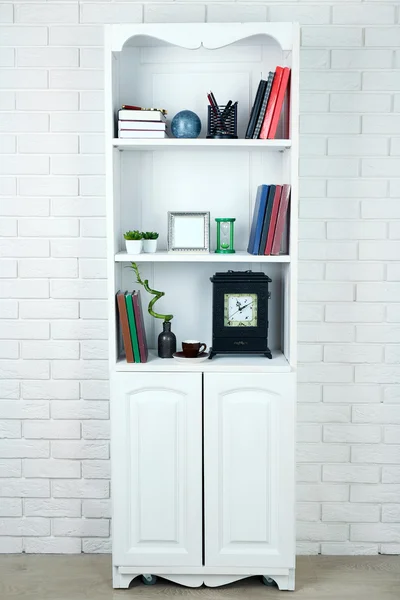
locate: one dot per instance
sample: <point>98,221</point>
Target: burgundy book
<point>281,219</point>
<point>272,223</point>
<point>124,324</point>
<point>141,332</point>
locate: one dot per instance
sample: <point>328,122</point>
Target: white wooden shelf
<point>200,144</point>
<point>219,364</point>
<point>212,257</point>
<point>202,454</point>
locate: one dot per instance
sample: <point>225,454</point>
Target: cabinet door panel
<point>157,469</point>
<point>249,469</point>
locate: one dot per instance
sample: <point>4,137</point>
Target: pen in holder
<point>222,121</point>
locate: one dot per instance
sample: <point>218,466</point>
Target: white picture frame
<point>189,232</point>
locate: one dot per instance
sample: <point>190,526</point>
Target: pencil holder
<point>222,126</point>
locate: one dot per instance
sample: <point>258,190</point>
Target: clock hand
<point>240,309</point>
<point>239,305</point>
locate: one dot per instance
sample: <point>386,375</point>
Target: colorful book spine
<point>271,103</point>
<point>267,218</point>
<point>279,103</point>
<point>263,105</point>
<point>124,325</point>
<point>258,219</point>
<point>272,224</point>
<point>142,321</point>
<point>141,333</point>
<point>281,219</point>
<point>132,326</point>
<point>256,109</point>
<point>286,113</point>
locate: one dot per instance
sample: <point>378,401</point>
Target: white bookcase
<point>202,456</point>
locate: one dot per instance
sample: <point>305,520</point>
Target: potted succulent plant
<point>150,241</point>
<point>133,241</point>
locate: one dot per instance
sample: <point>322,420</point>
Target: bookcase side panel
<point>111,81</point>
<point>293,155</point>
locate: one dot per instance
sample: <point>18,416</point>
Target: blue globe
<point>186,124</point>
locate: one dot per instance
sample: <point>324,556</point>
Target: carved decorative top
<point>195,35</point>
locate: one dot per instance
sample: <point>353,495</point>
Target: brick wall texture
<point>54,427</point>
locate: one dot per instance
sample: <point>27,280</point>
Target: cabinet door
<point>249,469</point>
<point>157,469</point>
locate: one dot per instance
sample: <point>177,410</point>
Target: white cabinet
<point>248,469</point>
<point>157,469</point>
<point>203,476</point>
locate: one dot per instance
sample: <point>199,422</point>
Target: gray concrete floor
<point>88,577</point>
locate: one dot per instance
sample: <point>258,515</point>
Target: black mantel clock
<point>240,313</point>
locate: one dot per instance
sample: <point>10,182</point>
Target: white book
<point>141,115</point>
<point>131,135</point>
<point>141,126</point>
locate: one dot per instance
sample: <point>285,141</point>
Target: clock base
<point>267,353</point>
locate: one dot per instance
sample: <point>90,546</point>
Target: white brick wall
<point>54,428</point>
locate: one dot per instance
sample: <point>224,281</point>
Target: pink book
<point>141,332</point>
<point>272,223</point>
<point>281,219</point>
<point>279,103</point>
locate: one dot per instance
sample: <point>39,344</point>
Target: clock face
<point>240,310</point>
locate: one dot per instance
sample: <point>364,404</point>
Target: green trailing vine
<point>157,295</point>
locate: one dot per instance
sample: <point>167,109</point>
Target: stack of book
<point>131,327</point>
<point>141,123</point>
<point>269,220</point>
<point>267,108</point>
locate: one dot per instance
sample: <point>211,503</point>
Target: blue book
<point>267,219</point>
<point>258,219</point>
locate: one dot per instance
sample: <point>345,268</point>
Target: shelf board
<point>199,144</point>
<point>212,257</point>
<point>219,364</point>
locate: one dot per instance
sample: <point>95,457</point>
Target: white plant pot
<point>133,246</point>
<point>150,245</point>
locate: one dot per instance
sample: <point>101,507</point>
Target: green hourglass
<point>225,236</point>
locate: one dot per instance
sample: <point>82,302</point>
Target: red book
<point>271,104</point>
<point>281,219</point>
<point>272,223</point>
<point>279,103</point>
<point>124,324</point>
<point>141,332</point>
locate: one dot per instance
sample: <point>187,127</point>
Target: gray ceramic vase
<point>166,341</point>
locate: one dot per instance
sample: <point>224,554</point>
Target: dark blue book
<point>264,104</point>
<point>258,219</point>
<point>267,219</point>
<point>255,111</point>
